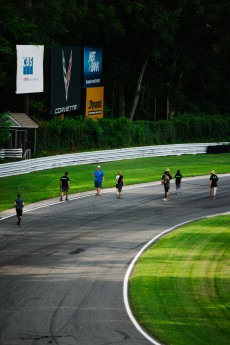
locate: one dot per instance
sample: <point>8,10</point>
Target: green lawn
<point>180,287</point>
<point>44,184</point>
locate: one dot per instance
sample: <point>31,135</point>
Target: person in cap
<point>213,184</point>
<point>165,180</point>
<point>98,179</point>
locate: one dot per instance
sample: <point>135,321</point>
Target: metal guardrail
<point>36,164</point>
<point>11,153</point>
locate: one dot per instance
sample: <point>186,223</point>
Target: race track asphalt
<point>62,270</point>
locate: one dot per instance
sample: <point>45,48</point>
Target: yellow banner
<point>94,102</point>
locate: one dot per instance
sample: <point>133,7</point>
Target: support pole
<point>26,104</point>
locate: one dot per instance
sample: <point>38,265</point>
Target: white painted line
<point>129,271</point>
<point>106,190</point>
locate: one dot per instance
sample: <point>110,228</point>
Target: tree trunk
<point>29,5</point>
<point>113,98</point>
<point>155,110</point>
<point>168,107</point>
<point>121,101</point>
<point>137,93</point>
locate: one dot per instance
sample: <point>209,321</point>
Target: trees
<point>4,129</point>
<point>14,29</point>
<point>159,57</point>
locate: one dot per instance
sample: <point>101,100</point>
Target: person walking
<point>165,180</point>
<point>177,179</point>
<point>64,185</point>
<point>120,182</point>
<point>19,204</point>
<point>98,179</point>
<point>117,177</point>
<point>213,184</point>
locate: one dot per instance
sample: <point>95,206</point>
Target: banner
<point>29,78</point>
<point>65,79</point>
<point>92,66</point>
<point>95,102</point>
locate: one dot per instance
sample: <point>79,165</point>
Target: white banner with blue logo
<point>29,69</point>
<point>92,66</point>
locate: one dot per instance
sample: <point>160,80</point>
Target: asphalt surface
<point>62,270</point>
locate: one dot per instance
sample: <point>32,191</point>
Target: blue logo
<point>28,65</point>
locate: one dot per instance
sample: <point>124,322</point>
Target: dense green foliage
<point>4,129</point>
<point>78,134</point>
<point>185,43</point>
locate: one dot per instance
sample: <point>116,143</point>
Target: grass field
<point>180,288</point>
<point>44,184</point>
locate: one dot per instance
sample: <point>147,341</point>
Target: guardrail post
<point>27,154</point>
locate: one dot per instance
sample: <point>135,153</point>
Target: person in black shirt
<point>64,185</point>
<point>120,182</point>
<point>213,184</point>
<point>177,179</point>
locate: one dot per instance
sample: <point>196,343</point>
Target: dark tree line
<point>160,57</point>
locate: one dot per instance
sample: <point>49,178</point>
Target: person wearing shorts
<point>213,184</point>
<point>165,180</point>
<point>19,204</point>
<point>64,185</point>
<point>98,179</point>
<point>120,182</point>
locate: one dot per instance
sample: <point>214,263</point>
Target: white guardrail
<point>11,153</point>
<point>36,164</point>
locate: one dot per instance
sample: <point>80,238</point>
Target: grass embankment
<point>44,184</point>
<point>180,287</point>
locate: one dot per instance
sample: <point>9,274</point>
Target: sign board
<point>94,102</point>
<point>29,78</point>
<point>65,79</point>
<point>92,66</point>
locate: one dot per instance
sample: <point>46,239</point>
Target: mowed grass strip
<point>43,185</point>
<point>180,287</point>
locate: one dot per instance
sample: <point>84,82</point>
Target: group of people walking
<point>119,182</point>
<point>166,177</point>
<point>99,178</point>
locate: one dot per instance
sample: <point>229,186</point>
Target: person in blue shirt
<point>98,179</point>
